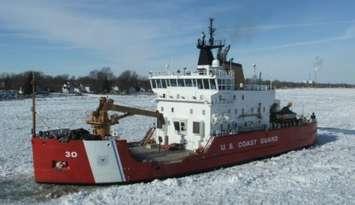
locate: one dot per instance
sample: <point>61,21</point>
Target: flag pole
<point>33,105</point>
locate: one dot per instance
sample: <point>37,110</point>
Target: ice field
<point>322,174</point>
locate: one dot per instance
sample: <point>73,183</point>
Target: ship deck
<point>153,154</point>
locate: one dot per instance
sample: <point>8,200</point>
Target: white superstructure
<point>212,101</point>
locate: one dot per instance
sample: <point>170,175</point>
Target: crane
<point>101,122</point>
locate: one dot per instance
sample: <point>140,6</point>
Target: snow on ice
<point>322,174</point>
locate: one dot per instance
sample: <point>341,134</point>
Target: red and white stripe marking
<point>104,160</point>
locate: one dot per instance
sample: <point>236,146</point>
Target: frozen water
<point>322,174</point>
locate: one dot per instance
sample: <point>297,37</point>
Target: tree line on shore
<point>100,81</point>
<point>104,81</point>
<point>287,84</point>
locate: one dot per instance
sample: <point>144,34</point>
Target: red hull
<point>79,155</point>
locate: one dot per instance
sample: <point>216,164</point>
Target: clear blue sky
<point>282,37</point>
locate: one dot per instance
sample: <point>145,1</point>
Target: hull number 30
<point>69,154</point>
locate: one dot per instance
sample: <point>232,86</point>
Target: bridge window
<point>221,85</point>
<point>228,84</point>
<point>173,82</point>
<point>188,82</point>
<point>194,83</point>
<point>181,83</point>
<point>154,85</point>
<point>158,83</point>
<point>163,82</point>
<point>167,82</point>
<point>213,83</point>
<point>206,85</point>
<point>199,83</point>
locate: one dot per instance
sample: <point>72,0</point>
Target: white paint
<point>70,154</point>
<point>219,110</point>
<point>104,161</point>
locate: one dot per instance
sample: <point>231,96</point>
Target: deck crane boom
<point>101,122</point>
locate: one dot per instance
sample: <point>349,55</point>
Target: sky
<point>287,40</point>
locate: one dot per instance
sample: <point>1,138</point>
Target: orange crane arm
<point>101,121</point>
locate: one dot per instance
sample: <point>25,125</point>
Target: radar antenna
<point>211,32</point>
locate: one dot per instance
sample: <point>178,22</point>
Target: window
<point>228,84</point>
<point>213,83</point>
<point>163,83</point>
<point>177,125</point>
<point>242,97</point>
<point>234,97</point>
<point>263,109</point>
<point>173,82</point>
<point>223,84</point>
<point>158,83</point>
<point>252,110</point>
<point>154,85</point>
<point>194,84</point>
<point>199,83</point>
<point>191,111</point>
<point>162,108</point>
<point>167,82</point>
<point>181,83</point>
<point>203,112</point>
<point>180,126</point>
<point>188,82</point>
<point>206,85</point>
<point>172,109</point>
<point>196,127</point>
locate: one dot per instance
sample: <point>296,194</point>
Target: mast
<point>206,56</point>
<point>211,30</point>
<point>33,105</point>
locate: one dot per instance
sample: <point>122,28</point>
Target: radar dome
<point>215,63</point>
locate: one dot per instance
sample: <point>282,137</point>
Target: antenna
<point>318,62</point>
<point>33,105</point>
<point>211,32</point>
